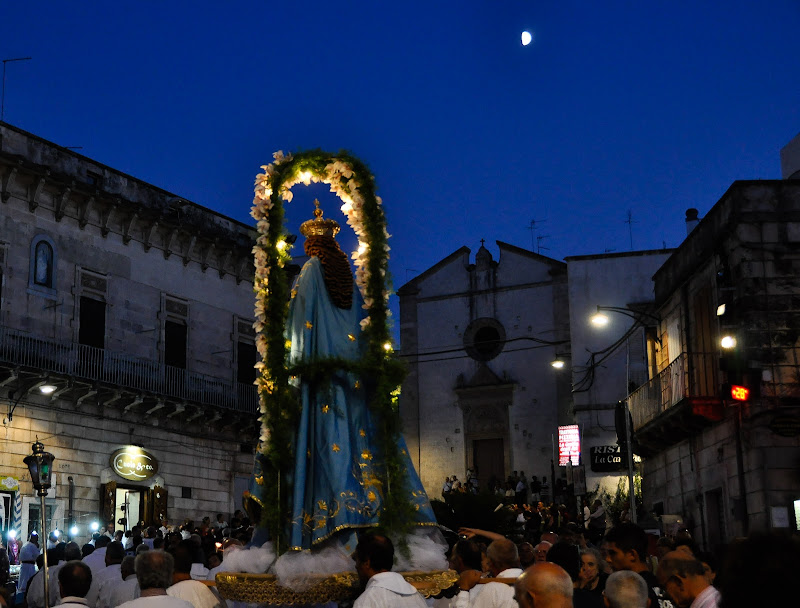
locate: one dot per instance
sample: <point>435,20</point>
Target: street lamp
<point>40,465</point>
<point>600,319</point>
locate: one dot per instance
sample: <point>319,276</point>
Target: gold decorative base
<point>264,588</point>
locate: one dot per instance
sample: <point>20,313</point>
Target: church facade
<point>479,339</point>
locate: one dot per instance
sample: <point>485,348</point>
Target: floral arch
<point>352,182</point>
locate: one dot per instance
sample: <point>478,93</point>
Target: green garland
<point>280,407</point>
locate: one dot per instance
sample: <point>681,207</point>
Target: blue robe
<point>336,478</point>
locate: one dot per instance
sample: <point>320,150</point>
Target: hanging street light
<point>40,465</point>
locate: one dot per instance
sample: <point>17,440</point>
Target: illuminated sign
<point>569,445</point>
<point>740,393</point>
<point>134,463</point>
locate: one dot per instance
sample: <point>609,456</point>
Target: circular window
<point>484,339</point>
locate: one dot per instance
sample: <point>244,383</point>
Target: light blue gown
<point>336,478</point>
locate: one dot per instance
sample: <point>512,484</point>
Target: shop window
<point>43,265</point>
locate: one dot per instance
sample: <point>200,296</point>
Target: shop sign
<point>134,463</point>
<point>785,426</point>
<point>606,458</point>
<point>9,483</point>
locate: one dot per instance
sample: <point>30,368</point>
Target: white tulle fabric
<point>297,570</point>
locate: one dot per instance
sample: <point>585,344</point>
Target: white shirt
<point>72,601</point>
<point>389,590</point>
<point>123,591</point>
<point>707,598</point>
<point>490,595</point>
<point>157,601</point>
<point>194,592</point>
<point>106,579</point>
<point>36,586</point>
<point>96,560</point>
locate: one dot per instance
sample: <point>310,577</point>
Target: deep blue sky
<point>651,107</point>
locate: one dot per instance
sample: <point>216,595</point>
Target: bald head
<point>625,589</point>
<point>544,585</point>
<point>502,555</point>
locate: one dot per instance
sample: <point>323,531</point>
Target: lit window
<point>43,263</point>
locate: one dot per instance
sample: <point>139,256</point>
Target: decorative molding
<point>83,217</point>
<point>148,237</point>
<point>61,202</point>
<point>187,256</point>
<point>169,242</point>
<point>128,228</point>
<point>105,216</point>
<point>8,182</point>
<point>33,198</point>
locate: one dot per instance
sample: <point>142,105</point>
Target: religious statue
<point>336,488</point>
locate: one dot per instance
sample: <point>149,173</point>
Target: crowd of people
<point>566,567</point>
<point>194,553</point>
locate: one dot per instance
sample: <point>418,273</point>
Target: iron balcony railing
<point>121,369</point>
<point>689,375</point>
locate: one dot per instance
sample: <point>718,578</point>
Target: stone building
<point>727,458</point>
<point>479,339</point>
<point>606,360</point>
<point>125,331</point>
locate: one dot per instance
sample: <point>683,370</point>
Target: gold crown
<point>319,226</point>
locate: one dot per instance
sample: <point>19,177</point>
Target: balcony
<point>677,403</point>
<point>80,371</point>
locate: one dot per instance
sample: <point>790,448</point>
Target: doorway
<point>488,457</point>
<point>128,508</point>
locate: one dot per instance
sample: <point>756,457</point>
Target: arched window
<point>43,265</point>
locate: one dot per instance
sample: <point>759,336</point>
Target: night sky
<point>647,107</point>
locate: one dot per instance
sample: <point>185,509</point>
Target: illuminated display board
<point>569,445</point>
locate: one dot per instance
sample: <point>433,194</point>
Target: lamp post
<point>40,465</point>
<point>600,319</point>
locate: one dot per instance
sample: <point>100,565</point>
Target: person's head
<point>214,560</point>
<point>128,566</point>
<point>626,589</point>
<point>502,554</point>
<point>184,556</point>
<point>158,543</point>
<point>72,552</point>
<point>544,585</point>
<point>540,551</point>
<point>74,579</point>
<point>154,570</point>
<point>567,556</point>
<point>101,541</point>
<point>626,546</point>
<point>87,549</point>
<point>550,537</point>
<point>664,545</point>
<point>34,538</point>
<point>374,553</point>
<point>682,576</point>
<point>118,535</point>
<point>220,518</point>
<point>142,548</point>
<point>710,564</point>
<point>526,554</point>
<point>114,553</point>
<point>465,555</point>
<point>591,561</point>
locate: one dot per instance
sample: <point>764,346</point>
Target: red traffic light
<point>739,393</point>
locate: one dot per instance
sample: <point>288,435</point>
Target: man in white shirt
<point>154,573</point>
<point>111,574</point>
<point>125,589</point>
<point>374,556</point>
<point>74,581</point>
<point>196,593</point>
<point>503,563</point>
<point>27,555</point>
<point>683,577</point>
<point>96,560</point>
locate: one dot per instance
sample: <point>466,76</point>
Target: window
<point>92,328</point>
<point>43,265</point>
<point>246,359</point>
<point>175,344</point>
<point>484,339</point>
